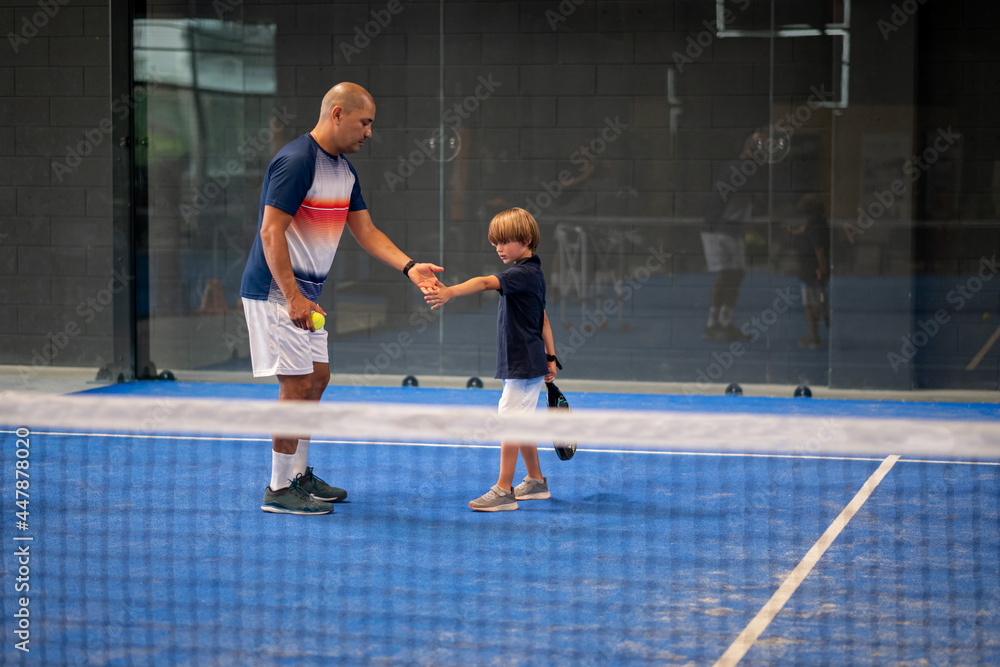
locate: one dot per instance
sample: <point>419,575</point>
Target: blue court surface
<point>153,550</point>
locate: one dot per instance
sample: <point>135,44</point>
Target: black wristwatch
<point>406,269</point>
<point>552,357</point>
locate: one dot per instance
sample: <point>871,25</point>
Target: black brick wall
<point>55,234</point>
<point>562,78</point>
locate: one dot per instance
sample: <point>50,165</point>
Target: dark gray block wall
<point>55,225</point>
<point>611,117</point>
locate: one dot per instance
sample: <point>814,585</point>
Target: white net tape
<point>619,429</point>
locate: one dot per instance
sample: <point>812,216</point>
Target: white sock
<point>725,316</point>
<point>713,316</point>
<point>281,470</point>
<point>301,456</point>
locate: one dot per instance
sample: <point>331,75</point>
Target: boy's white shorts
<point>278,347</point>
<point>520,396</point>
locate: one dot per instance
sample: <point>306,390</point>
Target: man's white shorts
<point>278,347</point>
<point>520,396</point>
<point>813,295</point>
<point>724,251</point>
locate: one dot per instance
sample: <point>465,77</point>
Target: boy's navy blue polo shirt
<point>520,318</point>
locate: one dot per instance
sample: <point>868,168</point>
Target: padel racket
<point>564,450</point>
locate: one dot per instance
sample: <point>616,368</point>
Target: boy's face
<point>512,251</point>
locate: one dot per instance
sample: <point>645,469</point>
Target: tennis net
<point>712,532</point>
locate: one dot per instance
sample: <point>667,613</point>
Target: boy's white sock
<point>281,470</point>
<point>713,316</point>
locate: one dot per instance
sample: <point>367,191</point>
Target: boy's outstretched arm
<point>550,347</point>
<point>438,296</point>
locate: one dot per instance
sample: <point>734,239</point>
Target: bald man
<point>310,192</point>
<point>723,235</point>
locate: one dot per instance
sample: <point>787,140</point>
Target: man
<point>309,193</point>
<point>723,236</point>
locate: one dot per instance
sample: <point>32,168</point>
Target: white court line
<point>960,463</point>
<point>750,634</point>
<point>749,455</point>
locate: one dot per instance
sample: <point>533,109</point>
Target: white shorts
<point>520,396</point>
<point>724,251</point>
<point>812,295</point>
<point>278,347</point>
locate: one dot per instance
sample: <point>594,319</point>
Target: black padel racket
<point>564,450</point>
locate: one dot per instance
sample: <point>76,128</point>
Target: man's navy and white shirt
<point>318,190</point>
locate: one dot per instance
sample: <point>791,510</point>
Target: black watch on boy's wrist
<point>406,269</point>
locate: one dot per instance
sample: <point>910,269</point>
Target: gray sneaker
<point>319,489</point>
<point>495,500</point>
<point>532,489</point>
<point>293,500</point>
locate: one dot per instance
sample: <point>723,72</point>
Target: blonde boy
<point>525,350</point>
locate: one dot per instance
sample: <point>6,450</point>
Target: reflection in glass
<point>205,127</point>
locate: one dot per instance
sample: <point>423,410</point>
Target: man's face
<point>354,128</point>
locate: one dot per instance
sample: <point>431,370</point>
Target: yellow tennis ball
<point>318,321</point>
<point>986,316</point>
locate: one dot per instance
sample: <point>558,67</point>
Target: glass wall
<point>731,191</point>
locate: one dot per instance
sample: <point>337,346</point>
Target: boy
<point>525,351</point>
<point>812,245</point>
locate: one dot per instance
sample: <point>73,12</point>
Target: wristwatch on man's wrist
<point>406,269</point>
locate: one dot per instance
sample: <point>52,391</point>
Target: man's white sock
<point>282,466</point>
<point>725,316</point>
<point>301,456</point>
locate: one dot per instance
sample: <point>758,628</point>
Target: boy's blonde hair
<point>515,224</point>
